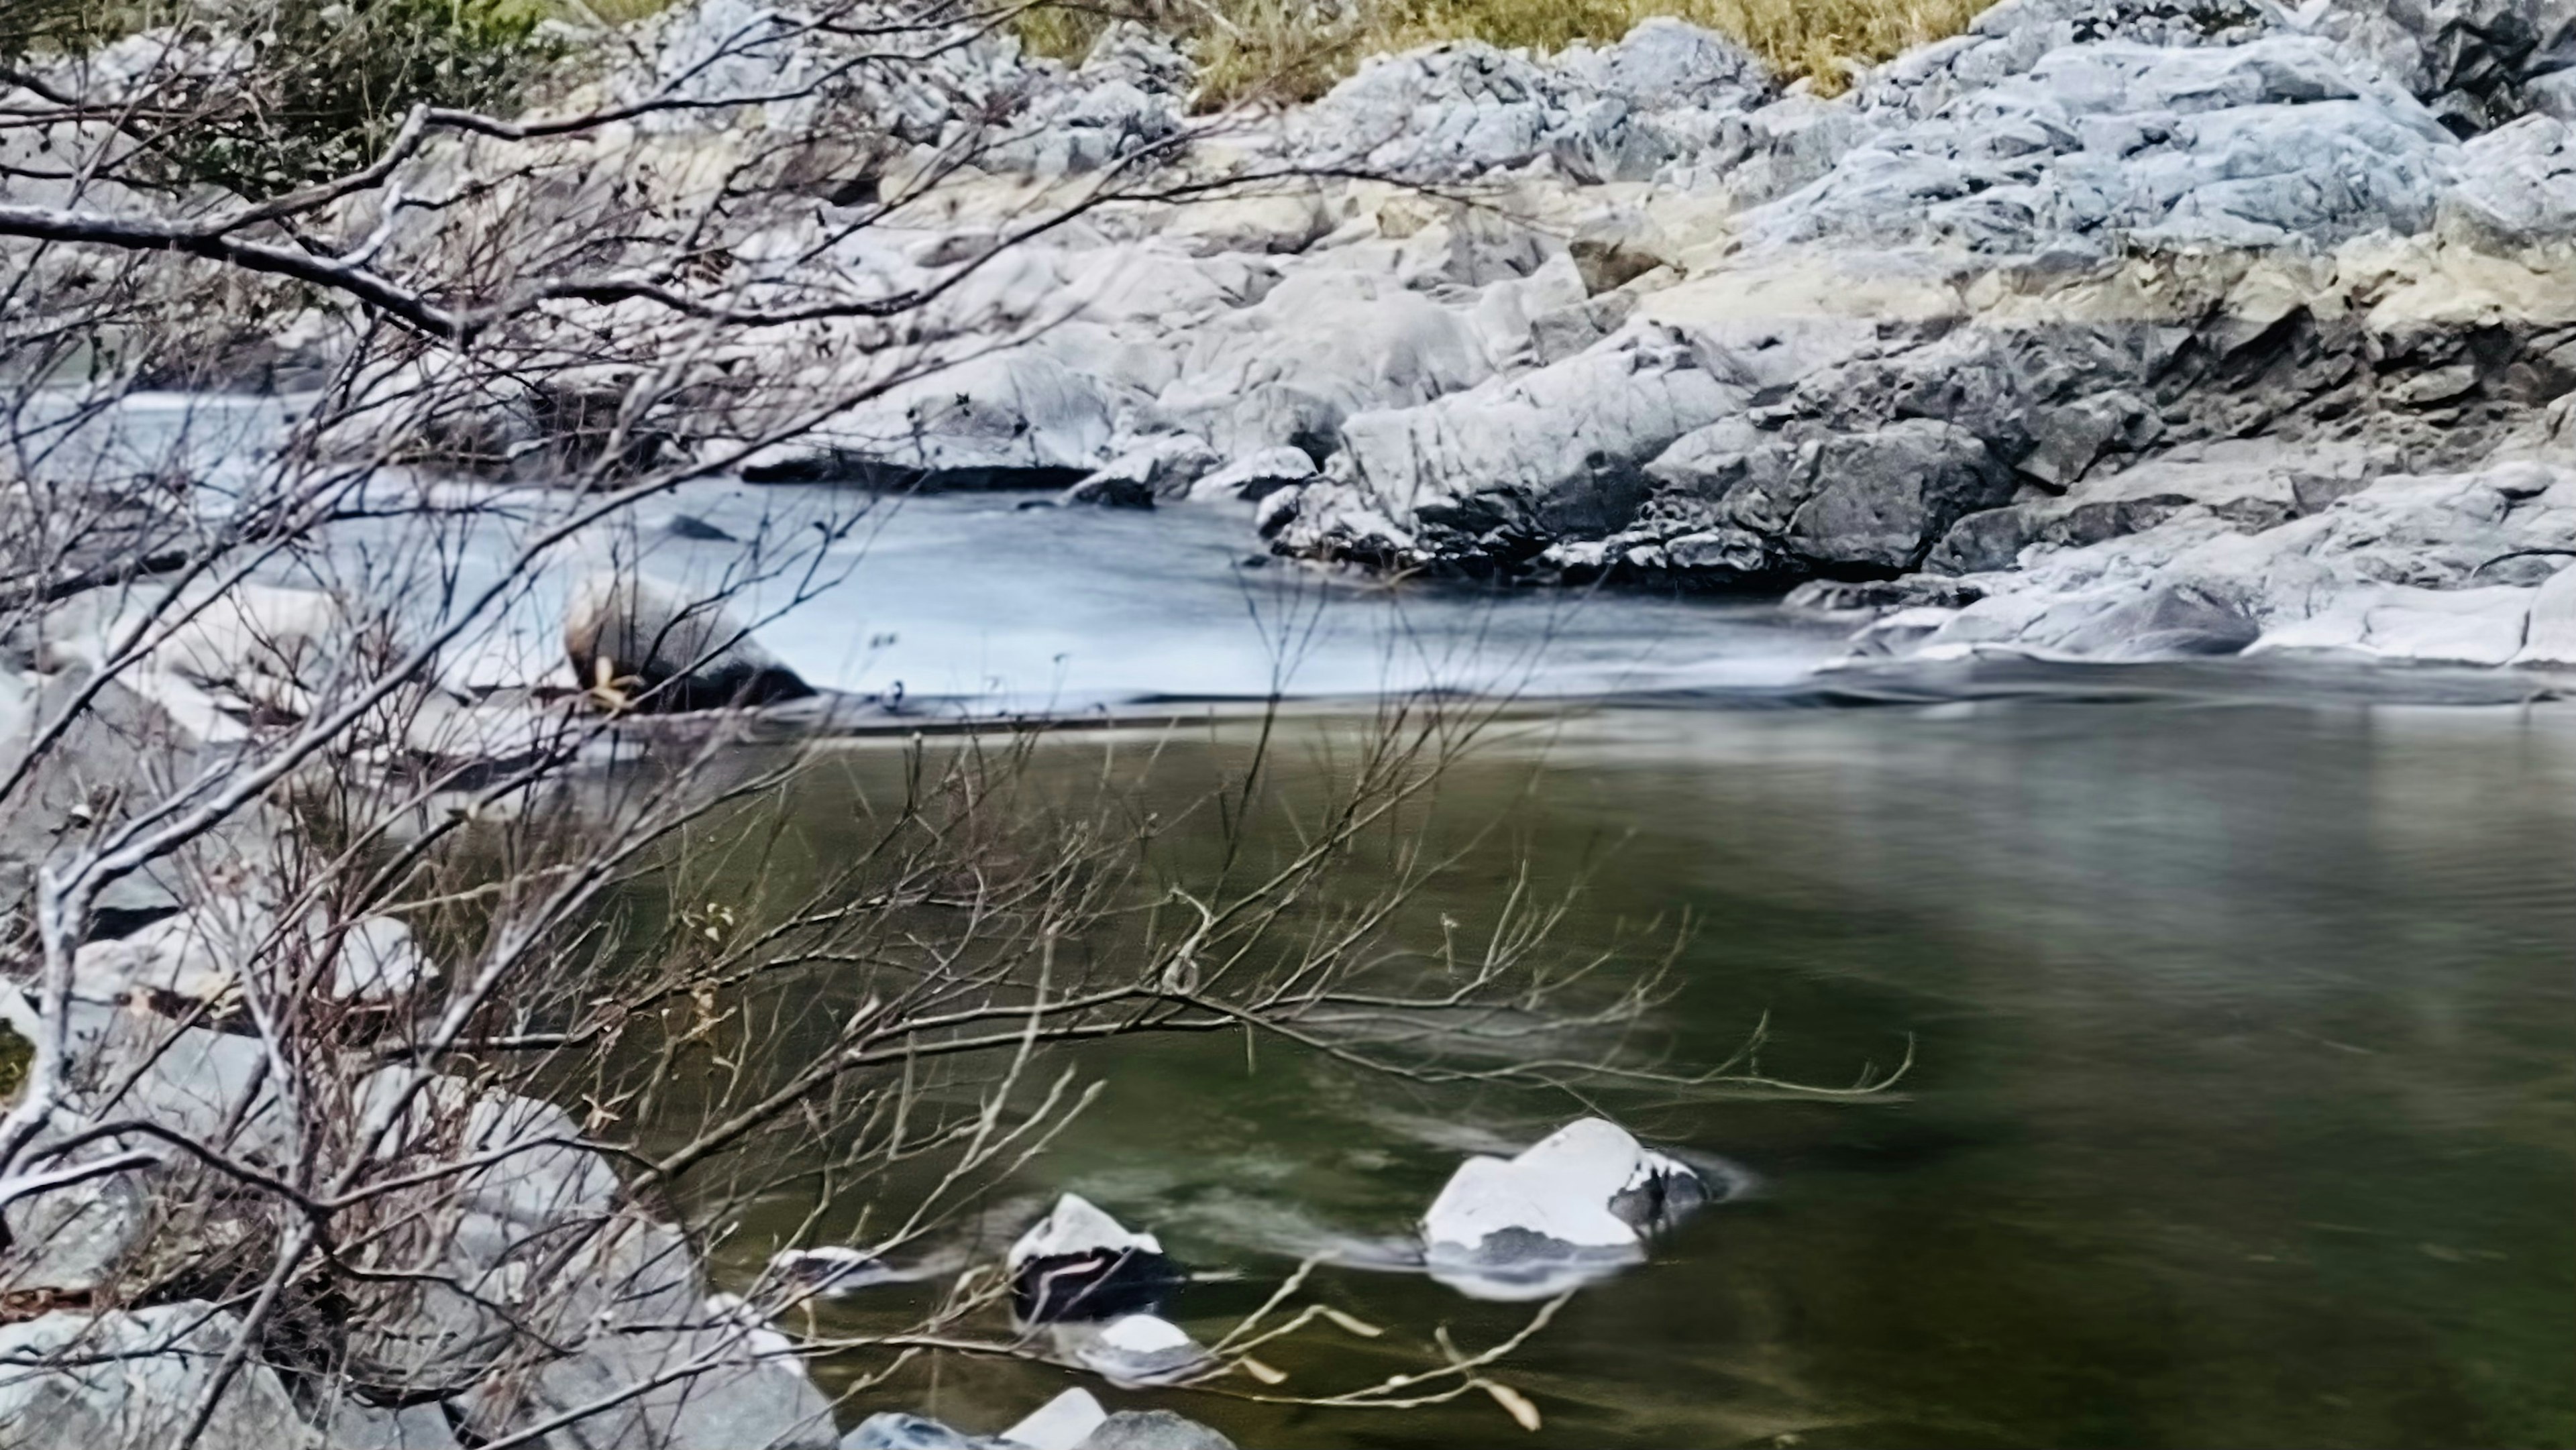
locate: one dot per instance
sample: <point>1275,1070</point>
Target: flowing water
<point>2243,1105</point>
<point>2243,1109</point>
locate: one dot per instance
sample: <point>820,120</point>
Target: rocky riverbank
<point>2110,329</point>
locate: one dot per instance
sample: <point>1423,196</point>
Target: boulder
<point>1257,476</point>
<point>2280,139</point>
<point>1063,1423</point>
<point>658,650</point>
<point>1078,1263</point>
<point>2550,640</point>
<point>2517,186</point>
<point>1133,1349</point>
<point>1569,1209</point>
<point>1155,468</point>
<point>137,1377</point>
<point>202,957</point>
<point>1560,450</point>
<point>2476,63</point>
<point>354,1424</point>
<point>1152,1430</point>
<point>2448,568</point>
<point>77,1239</point>
<point>1630,111</point>
<point>122,744</point>
<point>1325,344</point>
<point>895,1430</point>
<point>710,1388</point>
<point>1014,418</point>
<point>531,1244</point>
<point>831,1272</point>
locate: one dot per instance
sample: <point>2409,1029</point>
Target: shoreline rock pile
<point>1638,312</point>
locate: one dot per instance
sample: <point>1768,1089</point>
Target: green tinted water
<point>2244,1110</point>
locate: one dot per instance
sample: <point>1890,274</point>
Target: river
<point>2242,1108</point>
<point>2241,1111</point>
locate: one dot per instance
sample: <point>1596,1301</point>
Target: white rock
<point>1073,1227</point>
<point>2551,638</point>
<point>832,1271</point>
<point>1256,476</point>
<point>1060,1424</point>
<point>1564,1210</point>
<point>1135,1349</point>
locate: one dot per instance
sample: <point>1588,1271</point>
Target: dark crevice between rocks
<point>895,478</point>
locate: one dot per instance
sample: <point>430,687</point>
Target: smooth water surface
<point>2244,1106</point>
<point>2244,1100</point>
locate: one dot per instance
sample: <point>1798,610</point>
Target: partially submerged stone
<point>833,1271</point>
<point>1078,1263</point>
<point>1257,475</point>
<point>653,648</point>
<point>1061,1423</point>
<point>1577,1205</point>
<point>1150,470</point>
<point>1134,1349</point>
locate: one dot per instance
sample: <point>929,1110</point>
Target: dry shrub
<point>1293,50</point>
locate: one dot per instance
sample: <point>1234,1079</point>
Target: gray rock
<point>1453,112</point>
<point>113,753</point>
<point>2517,185</point>
<point>1063,1423</point>
<point>2261,144</point>
<point>2167,622</point>
<point>714,1388</point>
<point>1153,1430</point>
<point>1022,418</point>
<point>1277,511</point>
<point>1060,1424</point>
<point>351,1424</point>
<point>2402,569</point>
<point>1258,476</point>
<point>660,650</point>
<point>1155,468</point>
<point>530,1244</point>
<point>1559,450</point>
<point>2550,640</point>
<point>1079,1263</point>
<point>136,1377</point>
<point>2474,62</point>
<point>205,955</point>
<point>73,1240</point>
<point>1321,347</point>
<point>890,1430</point>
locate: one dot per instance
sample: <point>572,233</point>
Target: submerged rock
<point>659,650</point>
<point>1571,1208</point>
<point>1071,1421</point>
<point>1078,1263</point>
<point>1134,1349</point>
<point>832,1272</point>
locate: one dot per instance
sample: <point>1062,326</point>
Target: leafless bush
<point>353,1077</point>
